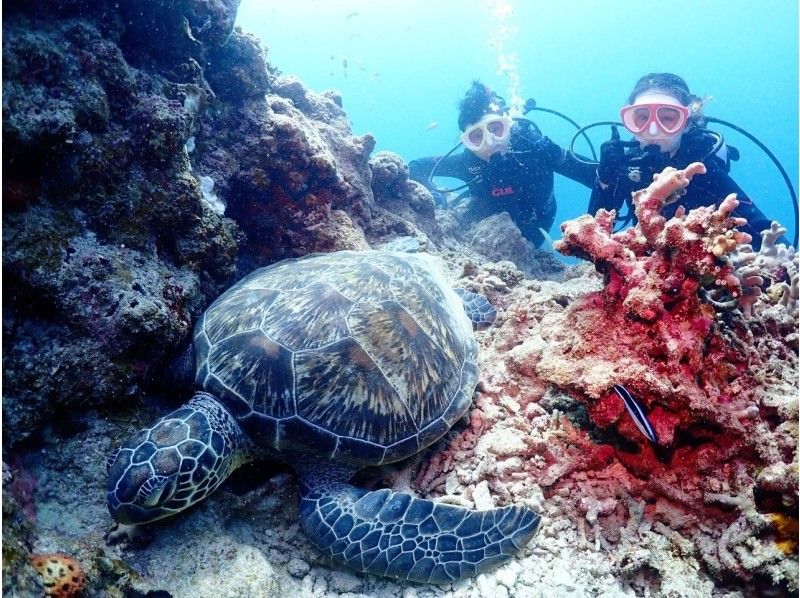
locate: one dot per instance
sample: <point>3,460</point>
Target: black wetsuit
<point>704,190</point>
<point>519,182</point>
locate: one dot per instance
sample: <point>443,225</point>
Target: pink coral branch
<point>660,262</point>
<point>661,192</point>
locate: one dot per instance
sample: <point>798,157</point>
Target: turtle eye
<point>111,458</point>
<point>156,490</point>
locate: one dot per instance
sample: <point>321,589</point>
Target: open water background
<point>402,67</point>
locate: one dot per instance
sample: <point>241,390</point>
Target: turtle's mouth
<point>156,491</point>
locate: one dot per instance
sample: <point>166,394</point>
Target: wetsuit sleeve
<point>452,166</point>
<point>618,189</point>
<point>719,185</point>
<point>567,165</point>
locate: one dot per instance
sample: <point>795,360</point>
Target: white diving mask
<point>488,136</point>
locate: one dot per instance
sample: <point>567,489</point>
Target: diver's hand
<point>612,157</point>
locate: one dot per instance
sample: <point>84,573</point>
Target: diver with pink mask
<point>666,123</point>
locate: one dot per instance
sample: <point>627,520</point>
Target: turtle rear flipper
<point>478,308</point>
<point>396,535</point>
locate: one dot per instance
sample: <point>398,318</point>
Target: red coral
<point>659,263</point>
<point>650,323</point>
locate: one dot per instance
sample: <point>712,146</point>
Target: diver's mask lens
<point>490,131</point>
<point>668,118</point>
<point>496,127</point>
<point>475,136</point>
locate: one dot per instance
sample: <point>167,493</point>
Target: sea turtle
<point>331,363</point>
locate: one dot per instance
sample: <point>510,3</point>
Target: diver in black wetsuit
<point>665,120</point>
<point>507,164</point>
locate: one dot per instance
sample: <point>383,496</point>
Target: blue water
<point>408,64</point>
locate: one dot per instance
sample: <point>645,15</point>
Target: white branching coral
<point>774,264</point>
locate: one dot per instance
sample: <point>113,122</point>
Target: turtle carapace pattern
<point>331,362</point>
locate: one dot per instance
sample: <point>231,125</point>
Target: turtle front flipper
<point>478,308</point>
<point>397,535</point>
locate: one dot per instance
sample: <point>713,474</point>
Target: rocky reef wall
<point>138,184</point>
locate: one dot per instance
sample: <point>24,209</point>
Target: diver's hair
<point>668,82</point>
<point>478,100</point>
<point>674,85</point>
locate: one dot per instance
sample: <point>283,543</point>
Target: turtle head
<point>175,463</point>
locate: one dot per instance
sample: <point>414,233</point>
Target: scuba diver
<point>668,128</point>
<point>507,165</point>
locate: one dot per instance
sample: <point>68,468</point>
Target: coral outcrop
<point>107,242</point>
<point>709,380</point>
<point>291,172</point>
<point>405,207</point>
<point>497,238</point>
<point>720,391</point>
<point>152,156</point>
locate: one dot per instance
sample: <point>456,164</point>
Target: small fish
<point>636,412</point>
<point>344,66</point>
<point>351,15</point>
<point>432,126</point>
<point>374,76</point>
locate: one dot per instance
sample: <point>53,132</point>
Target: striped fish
<point>636,412</point>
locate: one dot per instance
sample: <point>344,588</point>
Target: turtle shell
<point>363,357</point>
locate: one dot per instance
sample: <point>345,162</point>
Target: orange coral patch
<point>61,574</point>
